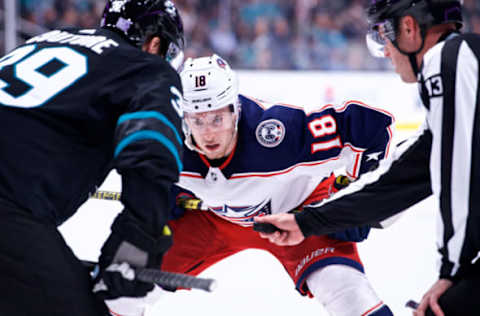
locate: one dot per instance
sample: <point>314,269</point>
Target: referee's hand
<point>430,299</point>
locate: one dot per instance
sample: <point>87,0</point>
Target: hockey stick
<point>412,304</point>
<point>161,278</point>
<point>266,228</point>
<point>166,279</point>
<point>186,203</point>
<point>106,195</point>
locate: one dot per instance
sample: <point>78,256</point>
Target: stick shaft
<point>106,195</point>
<point>166,279</point>
<point>175,280</point>
<point>412,304</point>
<point>189,204</point>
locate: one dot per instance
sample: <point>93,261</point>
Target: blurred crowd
<point>255,34</point>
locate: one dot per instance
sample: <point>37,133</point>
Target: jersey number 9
<point>30,67</point>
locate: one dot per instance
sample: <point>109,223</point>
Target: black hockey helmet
<point>426,12</point>
<point>140,19</point>
<point>385,14</point>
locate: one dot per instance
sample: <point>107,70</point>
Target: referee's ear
<point>409,27</point>
<point>152,45</point>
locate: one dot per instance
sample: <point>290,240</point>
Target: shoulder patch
<point>270,133</point>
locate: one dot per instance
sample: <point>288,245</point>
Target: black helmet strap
<point>412,56</point>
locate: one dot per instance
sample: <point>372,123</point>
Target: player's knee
<point>345,291</point>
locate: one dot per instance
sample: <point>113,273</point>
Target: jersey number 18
<point>321,127</point>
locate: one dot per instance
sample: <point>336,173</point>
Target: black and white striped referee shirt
<point>443,159</point>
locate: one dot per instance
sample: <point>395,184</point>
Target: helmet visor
<point>218,120</point>
<point>174,56</point>
<point>378,35</point>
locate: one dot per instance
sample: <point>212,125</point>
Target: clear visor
<point>174,56</point>
<point>213,120</point>
<point>374,45</point>
<point>377,36</point>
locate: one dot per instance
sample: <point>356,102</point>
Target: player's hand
<point>129,246</point>
<point>290,233</point>
<point>430,299</point>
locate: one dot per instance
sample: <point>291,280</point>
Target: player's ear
<point>152,45</point>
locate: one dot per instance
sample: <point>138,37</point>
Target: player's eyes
<point>217,120</point>
<point>198,122</point>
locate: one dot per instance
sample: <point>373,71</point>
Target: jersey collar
<point>224,164</point>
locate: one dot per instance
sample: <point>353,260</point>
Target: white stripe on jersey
<point>431,63</point>
<point>467,82</point>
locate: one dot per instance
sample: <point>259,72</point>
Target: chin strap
<point>412,56</point>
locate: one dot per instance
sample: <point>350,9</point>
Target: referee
<point>422,39</point>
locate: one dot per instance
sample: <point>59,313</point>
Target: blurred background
<point>251,34</point>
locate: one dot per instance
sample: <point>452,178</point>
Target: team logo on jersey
<point>243,215</point>
<point>270,133</point>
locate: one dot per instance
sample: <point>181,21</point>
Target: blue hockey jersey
<point>283,153</point>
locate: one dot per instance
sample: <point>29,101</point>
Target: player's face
<point>213,131</point>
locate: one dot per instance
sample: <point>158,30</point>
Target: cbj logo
<point>270,133</point>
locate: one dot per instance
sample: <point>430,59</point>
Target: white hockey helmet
<point>208,84</point>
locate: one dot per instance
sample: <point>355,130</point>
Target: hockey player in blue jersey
<point>245,158</point>
<point>75,103</point>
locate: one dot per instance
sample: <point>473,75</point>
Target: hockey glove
<point>184,203</point>
<point>128,247</point>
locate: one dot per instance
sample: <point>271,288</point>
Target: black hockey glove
<point>130,244</point>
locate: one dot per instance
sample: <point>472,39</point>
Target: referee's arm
<point>398,183</point>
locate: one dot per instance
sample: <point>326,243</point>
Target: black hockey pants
<point>39,274</point>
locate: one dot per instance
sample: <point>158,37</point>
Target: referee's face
<point>400,62</point>
<point>407,41</point>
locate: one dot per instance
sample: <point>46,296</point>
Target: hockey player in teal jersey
<point>73,105</point>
